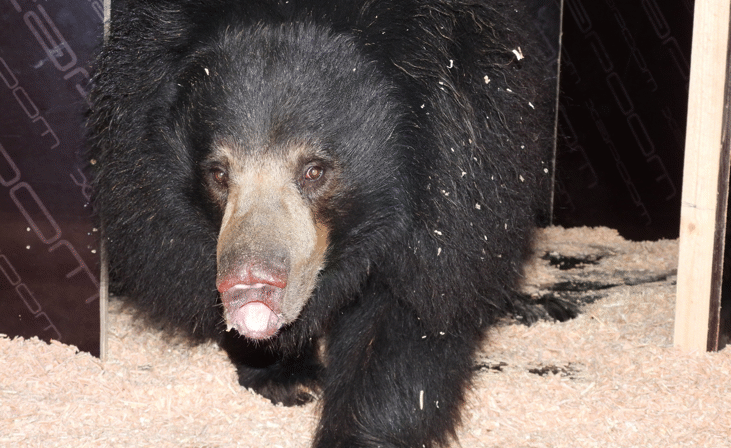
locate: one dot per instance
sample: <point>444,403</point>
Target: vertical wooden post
<point>104,271</point>
<point>705,180</point>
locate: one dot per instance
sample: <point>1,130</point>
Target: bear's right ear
<point>168,92</point>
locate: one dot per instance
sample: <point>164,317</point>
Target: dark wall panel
<point>48,251</point>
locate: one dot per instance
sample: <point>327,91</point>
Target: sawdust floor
<point>608,378</point>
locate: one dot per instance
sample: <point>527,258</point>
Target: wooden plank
<point>104,270</point>
<point>103,301</point>
<point>702,206</point>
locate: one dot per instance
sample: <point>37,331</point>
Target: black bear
<point>340,193</point>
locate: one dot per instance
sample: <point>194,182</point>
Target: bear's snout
<point>270,246</point>
<point>252,299</point>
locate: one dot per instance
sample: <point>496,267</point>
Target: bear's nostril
<point>234,270</point>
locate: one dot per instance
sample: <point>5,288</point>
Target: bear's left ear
<point>167,92</point>
<point>195,73</point>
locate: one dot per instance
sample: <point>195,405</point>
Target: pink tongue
<point>257,319</point>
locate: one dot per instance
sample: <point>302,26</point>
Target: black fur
<point>440,135</point>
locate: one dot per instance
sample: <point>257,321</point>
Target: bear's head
<point>295,146</point>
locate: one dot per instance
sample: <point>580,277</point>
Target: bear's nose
<point>251,271</point>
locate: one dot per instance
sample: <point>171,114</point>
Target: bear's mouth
<point>253,310</point>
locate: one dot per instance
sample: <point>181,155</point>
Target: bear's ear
<point>196,71</point>
<point>168,92</point>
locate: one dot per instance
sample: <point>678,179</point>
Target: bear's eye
<point>314,172</point>
<point>220,176</point>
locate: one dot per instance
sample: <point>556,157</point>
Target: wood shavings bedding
<point>608,378</point>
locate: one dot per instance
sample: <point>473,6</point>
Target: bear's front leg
<point>391,382</point>
<point>288,380</point>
